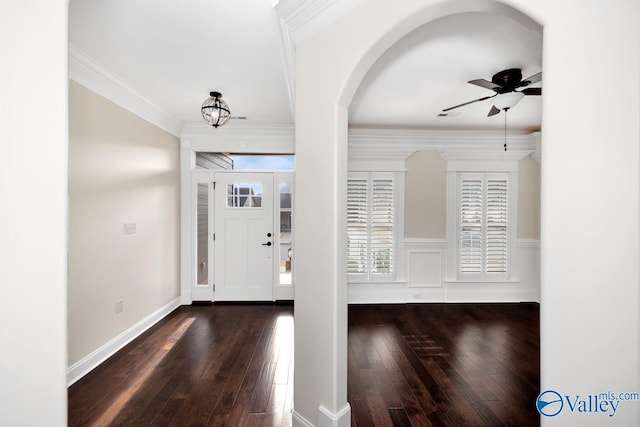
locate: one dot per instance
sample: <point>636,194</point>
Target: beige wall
<point>121,170</point>
<point>425,197</point>
<point>529,199</point>
<point>425,201</point>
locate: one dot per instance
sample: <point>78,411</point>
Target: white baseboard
<point>91,361</point>
<point>185,297</point>
<point>298,420</point>
<point>327,418</point>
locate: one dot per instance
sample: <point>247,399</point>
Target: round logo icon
<point>549,403</point>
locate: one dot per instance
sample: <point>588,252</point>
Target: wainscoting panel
<point>424,268</point>
<point>426,281</point>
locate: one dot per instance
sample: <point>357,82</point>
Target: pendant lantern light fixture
<point>215,110</point>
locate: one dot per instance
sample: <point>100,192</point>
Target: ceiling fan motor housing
<point>508,80</point>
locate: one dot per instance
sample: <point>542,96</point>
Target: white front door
<point>244,236</point>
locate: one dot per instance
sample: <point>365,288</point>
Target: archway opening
<point>400,98</point>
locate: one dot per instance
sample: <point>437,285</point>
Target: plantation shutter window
<point>496,234</point>
<point>357,227</point>
<point>381,221</point>
<point>471,226</point>
<point>483,225</point>
<point>370,225</point>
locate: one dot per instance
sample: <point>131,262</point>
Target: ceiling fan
<point>504,83</point>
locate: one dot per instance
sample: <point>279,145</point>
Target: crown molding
<point>298,20</point>
<point>365,145</point>
<point>395,144</point>
<point>303,18</point>
<point>88,72</point>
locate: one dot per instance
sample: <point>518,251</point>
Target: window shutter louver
<point>382,226</point>
<point>471,226</point>
<point>357,230</point>
<point>496,245</point>
<point>483,226</point>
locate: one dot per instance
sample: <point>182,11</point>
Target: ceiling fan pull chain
<point>505,128</point>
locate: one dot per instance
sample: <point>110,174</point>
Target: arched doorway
<point>321,138</point>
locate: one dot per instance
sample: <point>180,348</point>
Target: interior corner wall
<point>122,170</point>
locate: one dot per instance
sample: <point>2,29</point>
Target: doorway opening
<point>243,206</point>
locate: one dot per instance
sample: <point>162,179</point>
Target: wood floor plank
<point>421,365</point>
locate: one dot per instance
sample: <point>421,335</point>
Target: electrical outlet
<point>119,305</point>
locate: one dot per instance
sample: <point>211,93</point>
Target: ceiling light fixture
<point>214,110</point>
<point>504,101</point>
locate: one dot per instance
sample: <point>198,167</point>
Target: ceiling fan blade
<point>532,91</point>
<point>485,84</point>
<point>470,102</point>
<point>535,78</point>
<point>493,111</point>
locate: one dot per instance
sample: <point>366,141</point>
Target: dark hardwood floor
<point>201,366</point>
<point>409,365</point>
<point>444,365</point>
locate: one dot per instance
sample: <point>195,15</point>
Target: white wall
<point>589,194</point>
<point>589,215</point>
<point>33,212</point>
<point>122,169</point>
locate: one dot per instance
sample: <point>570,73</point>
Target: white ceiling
<point>175,53</point>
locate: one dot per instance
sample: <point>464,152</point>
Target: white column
<point>320,260</point>
<point>33,212</point>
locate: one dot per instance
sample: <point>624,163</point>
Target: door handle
<point>267,244</point>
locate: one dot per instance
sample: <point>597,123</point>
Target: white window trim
<point>454,170</point>
<point>398,274</point>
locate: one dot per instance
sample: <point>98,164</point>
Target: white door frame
<point>201,292</point>
<point>193,291</point>
<point>197,137</point>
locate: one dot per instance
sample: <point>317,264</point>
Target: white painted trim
<point>537,154</point>
<point>92,360</point>
<point>298,420</point>
<point>185,297</point>
<point>388,165</point>
<point>376,143</point>
<point>186,223</point>
<point>342,418</point>
<point>452,226</point>
<point>289,64</point>
<point>489,164</point>
<point>376,293</point>
<point>420,242</point>
<point>95,76</point>
<point>284,293</point>
<point>529,243</point>
<point>524,287</point>
<point>307,17</point>
<point>268,139</point>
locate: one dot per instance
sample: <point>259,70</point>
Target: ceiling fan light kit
<point>215,110</point>
<point>506,100</point>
